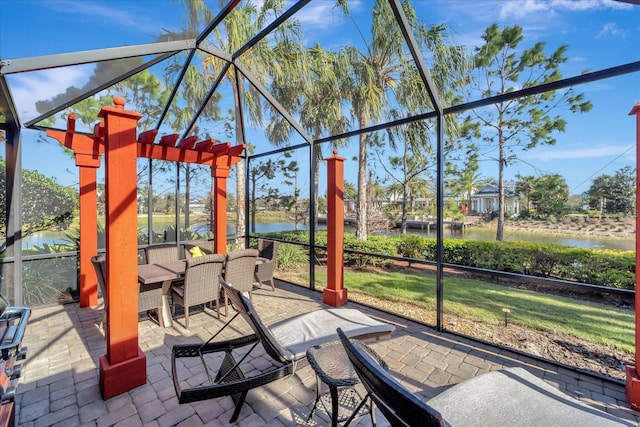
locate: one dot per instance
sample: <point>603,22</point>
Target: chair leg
<point>273,285</point>
<point>226,305</point>
<point>333,391</point>
<point>218,308</point>
<point>160,316</point>
<point>186,316</point>
<point>238,398</point>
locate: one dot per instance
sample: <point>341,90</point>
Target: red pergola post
<point>87,152</point>
<point>633,376</point>
<point>335,294</point>
<point>124,367</point>
<point>224,158</point>
<point>220,175</point>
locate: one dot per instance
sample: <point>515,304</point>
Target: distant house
<point>197,206</point>
<point>486,199</point>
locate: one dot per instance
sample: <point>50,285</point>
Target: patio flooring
<point>59,385</point>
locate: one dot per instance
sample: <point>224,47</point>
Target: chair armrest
<point>195,350</point>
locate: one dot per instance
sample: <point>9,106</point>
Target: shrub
<point>291,257</point>
<point>411,246</point>
<point>593,266</point>
<point>383,245</point>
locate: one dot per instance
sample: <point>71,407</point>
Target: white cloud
<point>326,15</point>
<point>611,29</point>
<point>521,9</point>
<point>528,7</point>
<point>28,88</point>
<point>110,13</point>
<point>582,153</point>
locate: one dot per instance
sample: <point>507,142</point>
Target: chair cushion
<point>514,396</point>
<point>196,252</point>
<point>299,333</point>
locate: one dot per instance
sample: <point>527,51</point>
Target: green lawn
<point>480,301</point>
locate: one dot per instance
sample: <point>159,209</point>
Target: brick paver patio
<point>59,385</point>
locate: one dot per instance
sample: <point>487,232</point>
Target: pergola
<point>124,365</point>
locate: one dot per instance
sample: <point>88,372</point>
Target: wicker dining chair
<point>161,253</point>
<point>149,296</point>
<point>239,270</point>
<point>268,252</point>
<point>98,262</point>
<point>201,284</point>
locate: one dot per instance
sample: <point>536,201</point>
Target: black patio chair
<point>510,396</point>
<point>398,405</point>
<point>285,344</point>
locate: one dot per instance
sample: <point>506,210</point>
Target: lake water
<point>483,234</point>
<point>52,237</point>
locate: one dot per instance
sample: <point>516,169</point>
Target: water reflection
<point>53,237</point>
<point>481,234</point>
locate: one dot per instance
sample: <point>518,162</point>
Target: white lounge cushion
<point>299,333</point>
<point>515,397</point>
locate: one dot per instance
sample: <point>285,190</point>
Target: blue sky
<point>599,34</point>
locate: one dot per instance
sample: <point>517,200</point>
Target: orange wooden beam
<point>124,366</point>
<point>335,294</point>
<point>633,375</point>
<point>87,150</point>
<point>225,156</point>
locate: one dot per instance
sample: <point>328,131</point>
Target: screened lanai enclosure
<point>429,102</point>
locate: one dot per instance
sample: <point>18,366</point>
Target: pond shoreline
<point>624,229</point>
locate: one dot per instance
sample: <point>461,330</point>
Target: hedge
<point>593,266</point>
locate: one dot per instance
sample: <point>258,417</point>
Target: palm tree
<point>374,71</point>
<point>469,181</point>
<point>239,26</point>
<point>385,66</point>
<point>314,93</point>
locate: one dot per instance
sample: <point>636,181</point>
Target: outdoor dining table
<point>166,273</point>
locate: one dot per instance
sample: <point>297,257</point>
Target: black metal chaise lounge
<point>508,397</point>
<point>284,342</point>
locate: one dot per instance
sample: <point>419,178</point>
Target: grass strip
<point>480,301</point>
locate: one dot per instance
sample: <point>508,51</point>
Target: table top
<point>154,273</point>
<point>332,365</point>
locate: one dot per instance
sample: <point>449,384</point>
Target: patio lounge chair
<point>509,396</point>
<point>285,344</point>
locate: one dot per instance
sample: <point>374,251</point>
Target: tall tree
<point>547,194</point>
<point>526,122</point>
<point>374,72</point>
<point>407,168</point>
<point>613,194</point>
<point>313,92</point>
<point>262,184</point>
<point>245,21</point>
<point>385,66</point>
<point>192,91</point>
